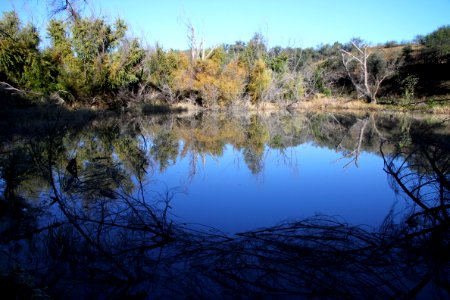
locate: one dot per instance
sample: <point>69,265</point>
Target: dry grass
<point>325,103</point>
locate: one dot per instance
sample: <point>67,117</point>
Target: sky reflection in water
<point>295,183</point>
<point>93,232</point>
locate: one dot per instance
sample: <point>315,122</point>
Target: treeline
<point>92,62</point>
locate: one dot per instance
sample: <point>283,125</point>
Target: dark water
<point>290,204</point>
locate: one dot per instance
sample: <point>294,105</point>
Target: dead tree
<point>69,6</point>
<point>197,50</point>
<point>354,155</point>
<point>367,70</point>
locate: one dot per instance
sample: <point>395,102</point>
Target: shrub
<point>390,44</point>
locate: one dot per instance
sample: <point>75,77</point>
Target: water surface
<point>213,205</point>
<point>293,183</point>
<point>237,173</point>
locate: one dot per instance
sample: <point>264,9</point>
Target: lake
<point>243,189</point>
<point>224,179</point>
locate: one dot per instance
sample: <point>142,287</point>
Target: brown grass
<point>326,103</point>
<point>323,103</point>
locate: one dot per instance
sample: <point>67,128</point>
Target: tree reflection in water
<point>94,233</point>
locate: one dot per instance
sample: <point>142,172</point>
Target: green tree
<point>21,63</point>
<point>93,41</point>
<point>256,49</point>
<point>278,61</point>
<point>162,66</point>
<point>94,57</point>
<point>126,65</point>
<point>67,67</point>
<point>259,80</point>
<point>439,43</point>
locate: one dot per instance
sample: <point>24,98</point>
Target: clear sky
<point>302,23</point>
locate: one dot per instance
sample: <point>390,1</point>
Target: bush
<point>390,44</point>
<point>409,85</point>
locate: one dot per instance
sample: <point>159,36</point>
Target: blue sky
<point>302,23</point>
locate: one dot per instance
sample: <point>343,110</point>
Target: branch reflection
<point>96,233</point>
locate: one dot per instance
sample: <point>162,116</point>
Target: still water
<point>276,168</point>
<point>294,183</point>
<point>238,173</point>
<point>214,205</point>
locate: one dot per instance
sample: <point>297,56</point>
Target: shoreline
<point>322,104</point>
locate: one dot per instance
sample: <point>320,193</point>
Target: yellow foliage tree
<point>211,80</point>
<point>207,81</point>
<point>183,79</point>
<point>232,82</point>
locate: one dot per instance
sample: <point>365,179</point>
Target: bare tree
<point>355,154</point>
<point>367,70</point>
<point>197,49</point>
<point>69,6</point>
